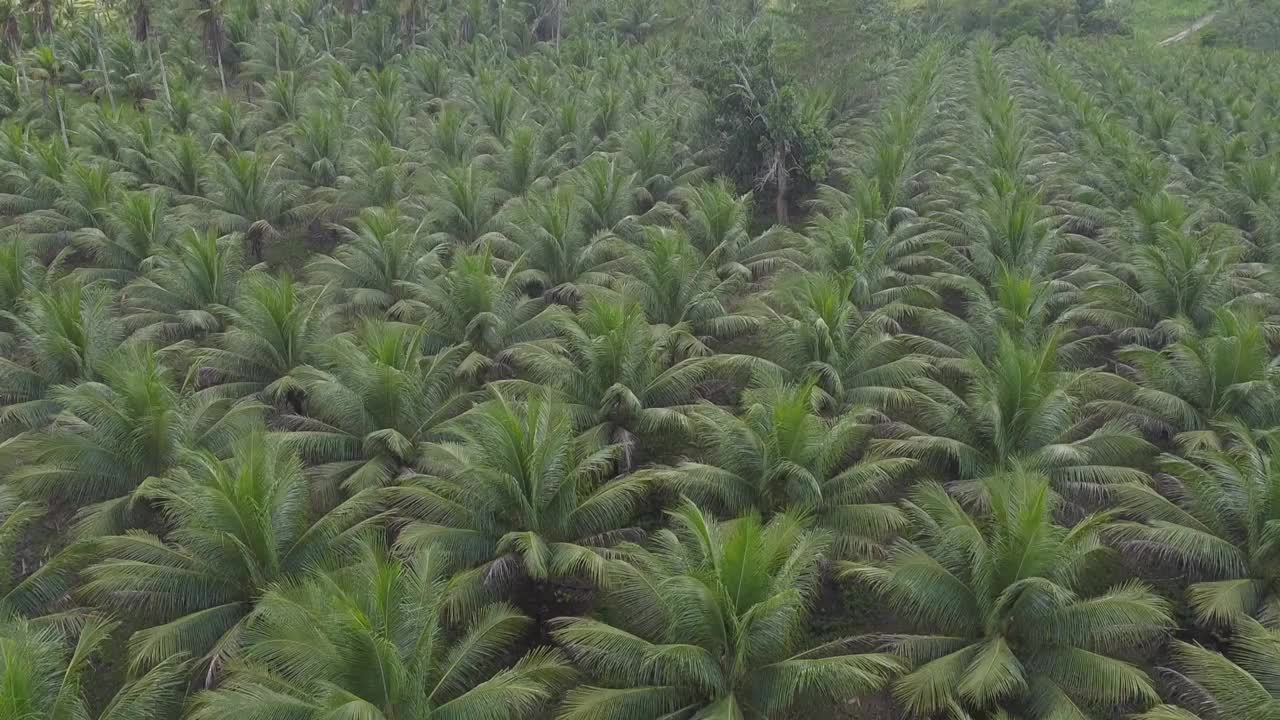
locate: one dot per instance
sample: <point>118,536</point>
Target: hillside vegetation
<point>617,360</point>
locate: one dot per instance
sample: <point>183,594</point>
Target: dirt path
<point>1195,27</point>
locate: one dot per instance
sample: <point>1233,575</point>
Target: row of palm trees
<point>447,381</point>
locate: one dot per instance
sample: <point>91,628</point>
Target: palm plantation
<point>705,360</point>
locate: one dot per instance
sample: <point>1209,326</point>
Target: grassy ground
<point>1156,20</point>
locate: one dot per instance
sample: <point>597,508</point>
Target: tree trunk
<point>102,57</point>
<point>164,73</point>
<point>62,122</point>
<point>781,205</point>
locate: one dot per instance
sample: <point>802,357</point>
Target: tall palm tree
<point>371,639</point>
<point>1009,618</point>
<point>780,456</point>
<point>519,495</point>
<point>49,674</point>
<point>709,622</point>
<point>373,404</point>
<point>1215,527</point>
<point>234,529</point>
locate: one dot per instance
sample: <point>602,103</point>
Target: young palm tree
<point>273,328</point>
<point>717,221</point>
<point>371,640</point>
<point>380,264</point>
<point>519,495</point>
<point>1185,388</point>
<point>136,230</point>
<point>87,194</point>
<point>110,436</point>
<point>815,330</point>
<point>780,456</point>
<point>709,622</point>
<point>880,260</point>
<point>561,258</point>
<point>186,293</point>
<point>1011,618</point>
<point>621,375</point>
<point>1238,684</point>
<point>1020,408</point>
<point>466,211</point>
<point>475,305</point>
<point>1215,527</point>
<point>1169,289</point>
<point>247,196</point>
<point>234,529</point>
<point>373,404</point>
<point>676,285</point>
<point>60,336</point>
<point>49,674</point>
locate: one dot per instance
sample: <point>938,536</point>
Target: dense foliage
<point>474,360</point>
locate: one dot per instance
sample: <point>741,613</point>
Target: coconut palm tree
<point>780,456</point>
<point>881,260</point>
<point>373,404</point>
<point>247,195</point>
<point>814,329</point>
<point>1217,686</point>
<point>1007,614</point>
<point>561,259</point>
<point>49,674</point>
<point>61,335</point>
<point>380,264</point>
<point>234,529</point>
<point>518,495</point>
<point>1213,524</point>
<point>676,285</point>
<point>619,374</point>
<point>465,211</point>
<point>475,304</point>
<point>709,621</point>
<point>1020,408</point>
<point>1170,288</point>
<point>1187,387</point>
<point>186,293</point>
<point>717,221</point>
<point>136,230</point>
<point>372,639</point>
<point>109,436</point>
<point>273,327</point>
